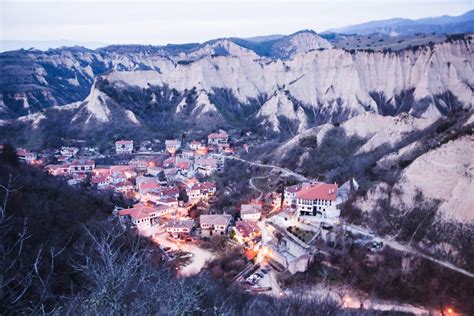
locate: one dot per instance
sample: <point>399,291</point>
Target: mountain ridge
<point>402,26</point>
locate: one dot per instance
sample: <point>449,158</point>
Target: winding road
<point>253,186</point>
<point>390,243</point>
<point>284,171</point>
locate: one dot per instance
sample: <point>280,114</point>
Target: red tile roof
<point>321,191</point>
<point>98,179</point>
<point>137,212</point>
<point>124,142</point>
<point>149,186</point>
<point>218,135</point>
<point>82,162</point>
<point>183,165</point>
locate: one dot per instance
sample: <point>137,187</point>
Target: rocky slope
<point>312,84</point>
<point>399,157</point>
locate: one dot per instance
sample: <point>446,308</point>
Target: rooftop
<point>318,191</point>
<point>139,211</point>
<point>187,223</point>
<point>215,219</point>
<point>124,142</point>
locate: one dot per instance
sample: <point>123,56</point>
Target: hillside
<point>61,252</point>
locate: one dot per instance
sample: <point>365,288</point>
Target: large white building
<point>317,200</point>
<point>215,224</point>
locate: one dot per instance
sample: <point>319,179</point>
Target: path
<point>285,172</point>
<point>253,186</point>
<point>407,249</point>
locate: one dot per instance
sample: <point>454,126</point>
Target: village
<point>173,195</point>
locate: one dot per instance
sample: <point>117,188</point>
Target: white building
<point>202,190</point>
<point>250,212</point>
<point>172,145</point>
<point>25,155</point>
<point>290,193</point>
<point>124,147</point>
<point>194,145</point>
<point>179,228</point>
<point>317,200</point>
<point>212,225</point>
<point>68,151</point>
<point>140,215</point>
<point>81,166</point>
<point>218,138</point>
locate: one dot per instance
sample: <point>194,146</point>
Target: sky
<point>182,21</point>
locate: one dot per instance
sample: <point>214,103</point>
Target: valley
<point>310,173</point>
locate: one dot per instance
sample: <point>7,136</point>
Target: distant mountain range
<point>263,44</point>
<point>9,45</point>
<point>439,25</point>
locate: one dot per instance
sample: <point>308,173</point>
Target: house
<point>25,155</point>
<point>100,181</point>
<point>116,177</point>
<point>154,171</point>
<point>290,193</point>
<point>139,164</point>
<point>183,166</point>
<point>81,166</point>
<point>202,151</point>
<point>68,151</point>
<point>168,201</point>
<point>171,174</point>
<point>101,171</point>
<point>215,224</point>
<point>169,191</point>
<point>58,170</point>
<point>172,145</point>
<point>124,147</point>
<point>121,168</point>
<point>124,187</point>
<point>179,228</point>
<point>195,145</point>
<point>143,179</point>
<point>163,210</point>
<point>251,212</point>
<point>205,165</point>
<point>140,215</point>
<point>63,159</point>
<point>218,138</point>
<point>188,154</point>
<point>247,233</point>
<point>147,187</point>
<point>317,200</point>
<point>202,190</point>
